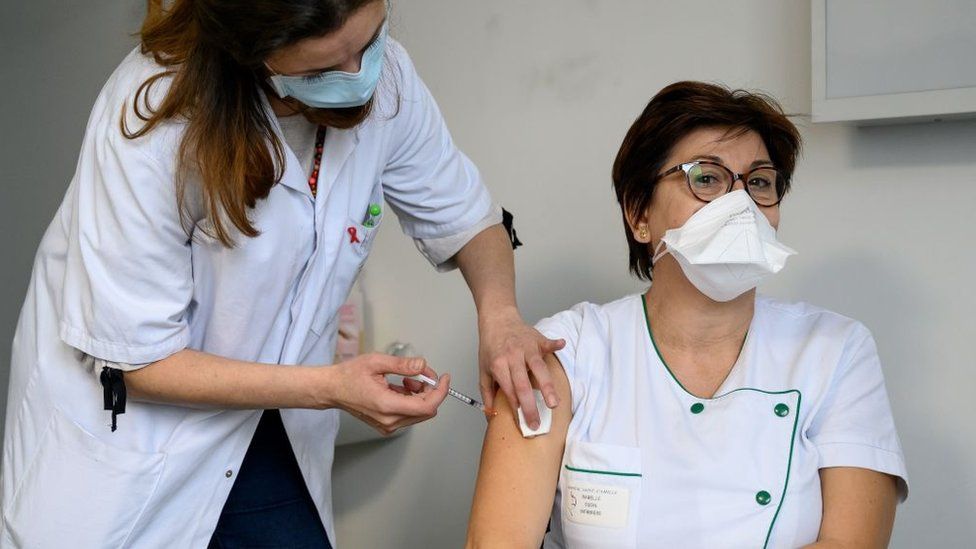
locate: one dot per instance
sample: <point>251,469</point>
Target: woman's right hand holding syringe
<point>360,387</point>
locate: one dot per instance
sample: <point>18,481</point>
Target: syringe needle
<point>458,395</point>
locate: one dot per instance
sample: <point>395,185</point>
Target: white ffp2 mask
<point>726,248</point>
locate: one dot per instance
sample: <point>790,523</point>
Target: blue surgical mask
<point>336,89</point>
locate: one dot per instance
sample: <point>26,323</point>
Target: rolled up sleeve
<point>434,189</point>
<point>854,426</point>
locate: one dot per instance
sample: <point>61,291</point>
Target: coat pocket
<point>600,487</point>
<point>80,492</point>
<point>362,230</point>
<point>358,235</point>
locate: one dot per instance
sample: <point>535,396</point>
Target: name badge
<point>597,504</point>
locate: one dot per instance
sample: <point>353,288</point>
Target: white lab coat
<point>647,464</point>
<point>117,278</point>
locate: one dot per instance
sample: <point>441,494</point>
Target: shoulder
<point>396,52</point>
<point>134,69</point>
<point>125,89</point>
<point>590,332</point>
<point>128,78</point>
<point>795,318</point>
<point>400,85</point>
<point>816,344</point>
<point>137,168</point>
<point>401,99</point>
<point>590,320</point>
<point>399,59</point>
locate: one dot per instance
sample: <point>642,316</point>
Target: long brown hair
<point>213,51</point>
<point>672,114</point>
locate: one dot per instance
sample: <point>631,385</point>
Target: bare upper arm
<point>858,507</point>
<point>517,478</point>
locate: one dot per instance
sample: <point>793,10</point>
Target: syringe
<point>458,395</point>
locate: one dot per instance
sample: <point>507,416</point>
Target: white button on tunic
<point>648,464</point>
<point>118,279</point>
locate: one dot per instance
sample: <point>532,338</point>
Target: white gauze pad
<point>545,418</point>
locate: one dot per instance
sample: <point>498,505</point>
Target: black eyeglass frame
<point>687,166</point>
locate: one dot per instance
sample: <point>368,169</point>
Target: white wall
<point>540,94</point>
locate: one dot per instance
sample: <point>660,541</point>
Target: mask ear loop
<point>273,80</point>
<point>658,252</point>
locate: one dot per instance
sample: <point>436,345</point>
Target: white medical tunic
<point>118,279</point>
<point>648,464</point>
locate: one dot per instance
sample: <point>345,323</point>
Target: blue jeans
<point>269,505</point>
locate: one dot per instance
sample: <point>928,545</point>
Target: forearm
<point>193,378</point>
<point>858,508</point>
<point>488,266</point>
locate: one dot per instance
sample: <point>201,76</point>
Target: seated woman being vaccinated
<point>702,414</point>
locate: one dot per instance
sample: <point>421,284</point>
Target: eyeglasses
<point>710,180</point>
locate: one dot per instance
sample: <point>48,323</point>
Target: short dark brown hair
<point>671,115</point>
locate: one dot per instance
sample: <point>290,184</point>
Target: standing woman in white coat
<point>230,183</point>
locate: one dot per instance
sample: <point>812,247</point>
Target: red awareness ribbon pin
<point>353,238</point>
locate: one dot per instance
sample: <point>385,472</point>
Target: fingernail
<point>534,425</point>
<point>416,366</point>
<point>552,401</point>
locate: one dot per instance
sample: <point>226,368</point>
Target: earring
<point>643,233</point>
